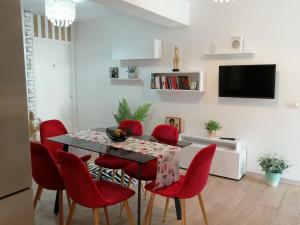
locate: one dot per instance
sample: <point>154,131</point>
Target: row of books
<point>172,82</point>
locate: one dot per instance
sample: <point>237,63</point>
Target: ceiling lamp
<point>221,1</point>
<point>60,12</point>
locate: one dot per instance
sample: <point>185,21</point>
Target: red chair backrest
<point>45,171</point>
<point>197,174</point>
<point>78,180</point>
<point>51,128</point>
<point>134,126</point>
<point>166,134</point>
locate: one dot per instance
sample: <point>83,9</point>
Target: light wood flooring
<point>246,202</point>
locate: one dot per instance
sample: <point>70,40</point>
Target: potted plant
<point>124,112</point>
<point>273,166</point>
<point>132,72</point>
<point>212,127</point>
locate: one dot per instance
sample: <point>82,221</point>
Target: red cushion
<point>114,193</point>
<point>148,170</point>
<point>169,191</point>
<point>112,162</point>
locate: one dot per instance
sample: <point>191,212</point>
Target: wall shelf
<point>179,82</point>
<point>235,54</point>
<point>137,49</point>
<point>126,79</point>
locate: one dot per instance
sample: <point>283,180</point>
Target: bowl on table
<point>117,134</point>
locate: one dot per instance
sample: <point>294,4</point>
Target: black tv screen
<point>247,81</point>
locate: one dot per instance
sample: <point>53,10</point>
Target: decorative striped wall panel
<point>43,28</point>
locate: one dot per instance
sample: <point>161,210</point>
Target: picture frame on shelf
<point>237,43</point>
<point>113,72</point>
<point>174,122</point>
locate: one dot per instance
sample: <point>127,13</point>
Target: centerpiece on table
<point>273,166</point>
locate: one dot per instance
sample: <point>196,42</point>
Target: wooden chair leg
<point>71,212</point>
<point>147,217</point>
<point>151,209</point>
<point>122,204</point>
<point>146,190</point>
<point>106,216</point>
<point>122,177</point>
<point>183,210</point>
<point>61,207</point>
<point>166,209</point>
<point>99,173</point>
<point>96,216</point>
<point>203,208</point>
<point>113,175</point>
<point>129,213</point>
<point>68,199</point>
<point>37,196</point>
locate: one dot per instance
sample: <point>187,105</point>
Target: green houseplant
<point>124,111</point>
<point>273,166</point>
<point>132,71</point>
<point>212,127</point>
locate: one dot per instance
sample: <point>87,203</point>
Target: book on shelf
<point>172,82</point>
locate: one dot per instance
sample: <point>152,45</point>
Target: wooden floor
<point>246,202</point>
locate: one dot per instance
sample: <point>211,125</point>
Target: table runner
<point>168,157</point>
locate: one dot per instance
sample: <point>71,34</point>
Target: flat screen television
<point>247,81</point>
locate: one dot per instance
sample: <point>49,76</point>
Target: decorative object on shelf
<point>176,60</point>
<point>212,127</point>
<point>212,48</point>
<point>273,166</point>
<point>34,126</point>
<point>174,122</point>
<point>237,43</point>
<point>124,112</point>
<point>221,1</point>
<point>61,13</point>
<point>132,72</point>
<point>193,85</point>
<point>113,72</point>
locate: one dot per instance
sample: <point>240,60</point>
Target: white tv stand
<point>230,159</point>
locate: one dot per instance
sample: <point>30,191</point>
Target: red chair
<point>47,175</point>
<point>91,194</point>
<point>188,186</point>
<point>136,129</point>
<point>51,128</point>
<point>162,133</point>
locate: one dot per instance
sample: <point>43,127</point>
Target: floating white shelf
<point>137,49</point>
<point>244,53</point>
<point>126,79</point>
<point>165,82</point>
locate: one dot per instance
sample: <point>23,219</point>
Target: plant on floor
<point>124,111</point>
<point>273,166</point>
<point>212,127</point>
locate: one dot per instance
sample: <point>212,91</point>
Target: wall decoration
<point>176,60</point>
<point>174,121</point>
<point>237,43</point>
<point>132,72</point>
<point>113,72</point>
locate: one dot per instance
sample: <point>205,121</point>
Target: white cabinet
<point>137,49</point>
<point>230,159</point>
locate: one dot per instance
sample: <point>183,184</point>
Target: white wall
<point>270,28</point>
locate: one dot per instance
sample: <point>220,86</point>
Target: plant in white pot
<point>132,72</point>
<point>273,166</point>
<point>212,127</point>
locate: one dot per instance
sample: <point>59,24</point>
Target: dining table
<point>106,149</point>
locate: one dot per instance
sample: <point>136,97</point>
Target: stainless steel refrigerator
<point>15,167</point>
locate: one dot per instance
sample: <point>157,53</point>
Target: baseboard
<point>283,180</point>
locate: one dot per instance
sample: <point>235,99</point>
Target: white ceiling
<point>85,9</point>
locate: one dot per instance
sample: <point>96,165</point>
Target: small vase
<point>132,75</point>
<point>273,179</point>
<point>211,133</point>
